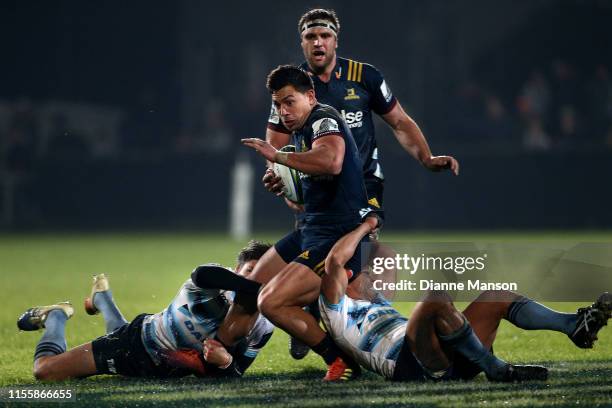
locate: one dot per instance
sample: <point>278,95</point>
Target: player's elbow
<point>335,169</point>
<point>334,165</point>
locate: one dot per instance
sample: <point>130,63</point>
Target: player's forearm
<point>344,249</point>
<point>409,135</point>
<point>318,161</point>
<point>335,281</point>
<point>276,139</point>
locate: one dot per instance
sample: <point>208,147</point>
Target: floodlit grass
<point>146,270</point>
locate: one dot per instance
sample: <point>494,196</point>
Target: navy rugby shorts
<point>310,245</point>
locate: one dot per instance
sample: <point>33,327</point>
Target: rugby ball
<point>292,184</point>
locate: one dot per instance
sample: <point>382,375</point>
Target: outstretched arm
<point>409,135</point>
<point>335,280</point>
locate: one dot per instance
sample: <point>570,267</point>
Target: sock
<point>327,349</point>
<point>112,316</point>
<point>211,276</point>
<point>247,300</point>
<point>53,341</point>
<point>464,341</point>
<point>531,315</point>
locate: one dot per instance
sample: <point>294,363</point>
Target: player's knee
<point>446,309</point>
<point>438,298</point>
<point>497,296</point>
<point>268,303</point>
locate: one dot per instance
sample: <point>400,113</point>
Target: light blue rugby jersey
<point>193,316</point>
<point>371,332</point>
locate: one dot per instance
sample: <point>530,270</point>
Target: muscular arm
<point>409,135</point>
<point>325,157</point>
<point>335,281</point>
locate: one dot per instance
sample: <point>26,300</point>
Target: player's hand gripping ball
<point>292,184</point>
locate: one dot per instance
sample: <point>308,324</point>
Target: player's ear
<point>311,96</point>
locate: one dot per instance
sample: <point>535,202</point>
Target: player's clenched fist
<point>214,353</point>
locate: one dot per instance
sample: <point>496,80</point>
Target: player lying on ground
<point>175,342</point>
<point>439,342</point>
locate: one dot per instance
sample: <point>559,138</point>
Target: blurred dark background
<point>129,114</point>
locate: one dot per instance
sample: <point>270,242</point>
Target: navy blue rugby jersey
<point>355,89</point>
<point>330,199</point>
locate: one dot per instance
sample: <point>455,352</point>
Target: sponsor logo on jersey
<point>350,94</point>
<point>386,92</point>
<point>192,329</point>
<point>352,119</point>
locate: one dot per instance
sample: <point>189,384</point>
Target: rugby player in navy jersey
<point>334,201</point>
<point>438,342</point>
<point>355,89</point>
<point>175,342</point>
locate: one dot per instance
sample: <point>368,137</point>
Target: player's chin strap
<point>319,23</point>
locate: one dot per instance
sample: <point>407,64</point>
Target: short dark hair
<point>316,14</point>
<point>252,251</point>
<point>284,75</point>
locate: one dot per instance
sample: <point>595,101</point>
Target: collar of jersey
<point>339,65</point>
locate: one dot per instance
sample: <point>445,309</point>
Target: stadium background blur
<point>128,115</point>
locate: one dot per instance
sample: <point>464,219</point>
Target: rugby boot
<point>34,318</point>
<point>590,320</point>
<point>100,284</point>
<point>340,370</point>
<point>519,373</point>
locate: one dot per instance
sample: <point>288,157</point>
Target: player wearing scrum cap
<point>355,89</point>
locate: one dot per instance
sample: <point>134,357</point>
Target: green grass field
<point>147,269</point>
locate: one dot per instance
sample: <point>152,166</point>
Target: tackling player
<point>439,342</point>
<point>175,342</point>
<point>355,89</point>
